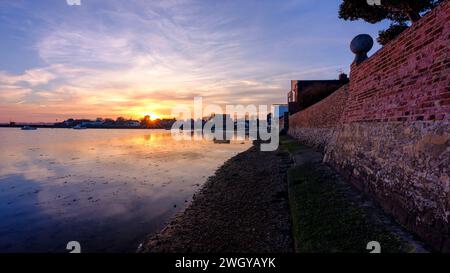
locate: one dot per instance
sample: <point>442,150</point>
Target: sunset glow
<point>109,59</point>
<point>154,117</point>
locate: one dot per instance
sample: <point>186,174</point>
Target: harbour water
<point>106,189</point>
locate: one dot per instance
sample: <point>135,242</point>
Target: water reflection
<point>106,189</point>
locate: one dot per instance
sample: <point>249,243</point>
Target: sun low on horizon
<point>112,59</point>
<point>153,116</point>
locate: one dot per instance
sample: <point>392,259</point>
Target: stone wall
<point>404,166</point>
<point>393,138</point>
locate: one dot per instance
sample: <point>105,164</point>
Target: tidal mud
<point>243,208</point>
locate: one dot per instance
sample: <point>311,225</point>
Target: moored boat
<point>28,128</point>
<point>79,127</point>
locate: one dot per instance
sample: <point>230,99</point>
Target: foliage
<point>385,36</point>
<point>400,12</point>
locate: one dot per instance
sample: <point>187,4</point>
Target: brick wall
<point>281,123</point>
<point>314,125</point>
<point>392,140</point>
<point>408,79</point>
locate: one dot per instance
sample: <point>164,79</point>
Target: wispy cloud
<point>131,57</point>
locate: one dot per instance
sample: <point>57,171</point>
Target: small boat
<point>223,141</point>
<point>79,127</point>
<point>28,128</point>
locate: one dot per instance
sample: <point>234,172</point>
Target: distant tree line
<point>119,122</point>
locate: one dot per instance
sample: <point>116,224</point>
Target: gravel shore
<point>243,208</point>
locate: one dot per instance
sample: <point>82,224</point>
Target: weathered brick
<point>389,132</point>
<point>402,72</point>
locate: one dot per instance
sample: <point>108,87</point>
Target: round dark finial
<point>361,45</point>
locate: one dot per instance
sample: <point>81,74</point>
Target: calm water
<point>106,189</point>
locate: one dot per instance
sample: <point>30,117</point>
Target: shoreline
<point>283,201</point>
<point>242,208</point>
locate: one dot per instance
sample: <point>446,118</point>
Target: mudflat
<point>243,208</point>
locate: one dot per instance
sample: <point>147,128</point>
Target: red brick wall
<point>324,114</point>
<point>314,126</point>
<point>281,123</point>
<point>388,131</point>
<point>408,79</point>
<point>393,141</point>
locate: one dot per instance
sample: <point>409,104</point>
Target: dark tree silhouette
<point>399,12</point>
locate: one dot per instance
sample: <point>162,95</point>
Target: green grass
<point>290,144</point>
<point>325,220</point>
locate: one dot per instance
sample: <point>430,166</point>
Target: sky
<point>110,58</point>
